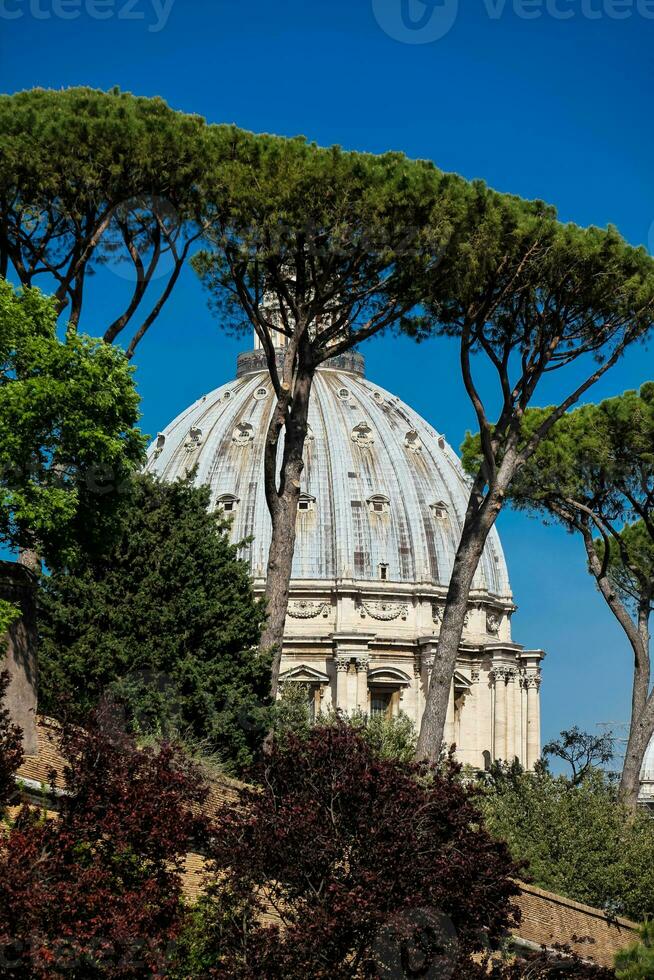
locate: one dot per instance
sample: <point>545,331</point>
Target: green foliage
<point>89,178</point>
<point>388,738</point>
<point>582,751</point>
<point>11,748</point>
<point>637,962</point>
<point>291,711</point>
<point>578,840</point>
<point>631,562</point>
<point>335,239</point>
<point>165,623</point>
<point>9,613</point>
<point>67,436</point>
<point>597,457</point>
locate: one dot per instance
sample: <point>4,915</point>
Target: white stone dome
<point>384,495</point>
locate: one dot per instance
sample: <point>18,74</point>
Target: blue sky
<point>543,98</point>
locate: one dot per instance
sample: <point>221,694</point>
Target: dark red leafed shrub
<point>372,867</point>
<point>95,891</point>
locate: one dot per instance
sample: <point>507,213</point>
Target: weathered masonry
<point>379,520</point>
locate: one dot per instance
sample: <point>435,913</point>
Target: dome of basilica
<point>382,504</point>
<point>383,494</point>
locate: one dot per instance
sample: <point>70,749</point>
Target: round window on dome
<point>362,434</point>
<point>261,393</point>
<point>344,393</point>
<point>243,434</point>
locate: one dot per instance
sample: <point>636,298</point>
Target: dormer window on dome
<point>363,435</point>
<point>439,510</point>
<point>243,434</point>
<point>413,442</point>
<point>306,502</point>
<point>161,442</point>
<point>379,504</point>
<point>383,571</point>
<point>227,503</point>
<point>194,439</point>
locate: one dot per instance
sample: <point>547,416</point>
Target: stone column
<point>512,730</point>
<point>450,737</point>
<point>499,744</point>
<point>363,664</point>
<point>474,719</point>
<point>417,684</point>
<point>523,722</point>
<point>532,683</point>
<point>426,665</point>
<point>342,667</point>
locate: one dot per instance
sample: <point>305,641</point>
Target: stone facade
<point>381,510</point>
<point>372,649</point>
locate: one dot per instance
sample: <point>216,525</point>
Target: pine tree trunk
<point>280,565</point>
<point>476,529</point>
<point>641,728</point>
<point>641,722</point>
<point>640,734</point>
<point>282,495</point>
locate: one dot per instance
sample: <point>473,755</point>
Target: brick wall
<point>549,920</point>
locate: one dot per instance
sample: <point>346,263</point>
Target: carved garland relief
<point>384,611</point>
<point>304,609</point>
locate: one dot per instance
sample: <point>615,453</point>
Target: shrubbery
<point>164,624</point>
<point>366,863</point>
<point>95,891</point>
<point>579,840</point>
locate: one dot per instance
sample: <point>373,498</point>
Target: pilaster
<point>342,668</point>
<point>362,665</point>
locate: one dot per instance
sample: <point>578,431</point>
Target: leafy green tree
<point>582,751</point>
<point>89,178</point>
<point>164,623</point>
<point>637,962</point>
<point>317,250</point>
<point>579,840</point>
<point>594,474</point>
<point>67,431</point>
<point>388,738</point>
<point>532,299</point>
